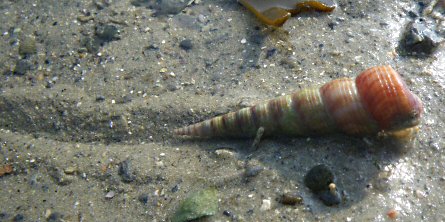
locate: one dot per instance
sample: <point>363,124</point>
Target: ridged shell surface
<point>376,100</point>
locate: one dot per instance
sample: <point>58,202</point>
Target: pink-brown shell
<point>377,100</point>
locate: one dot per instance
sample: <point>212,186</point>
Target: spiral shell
<point>376,100</point>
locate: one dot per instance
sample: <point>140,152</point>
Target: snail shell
<point>376,100</point>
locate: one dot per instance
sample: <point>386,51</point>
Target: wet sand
<point>87,100</point>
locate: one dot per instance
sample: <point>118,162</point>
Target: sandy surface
<point>75,114</point>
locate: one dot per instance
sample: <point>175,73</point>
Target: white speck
<point>163,41</point>
<point>162,154</point>
<point>348,219</point>
<point>250,195</point>
<point>113,101</point>
<point>243,41</point>
<point>99,54</point>
<point>229,20</point>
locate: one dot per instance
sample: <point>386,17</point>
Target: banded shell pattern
<point>376,100</point>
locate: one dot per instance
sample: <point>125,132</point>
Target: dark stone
<point>291,199</point>
<point>412,14</point>
<point>271,52</point>
<point>125,171</point>
<point>175,188</point>
<point>186,44</point>
<point>319,178</point>
<point>18,218</point>
<point>21,67</point>
<point>332,25</point>
<point>419,39</point>
<point>143,198</point>
<point>100,98</point>
<point>330,198</point>
<point>107,33</point>
<point>55,217</point>
<point>228,213</point>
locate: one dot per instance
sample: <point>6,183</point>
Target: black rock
<point>125,171</point>
<point>419,39</point>
<point>186,44</point>
<point>319,178</point>
<point>330,197</point>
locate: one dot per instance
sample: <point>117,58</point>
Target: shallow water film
<point>92,90</point>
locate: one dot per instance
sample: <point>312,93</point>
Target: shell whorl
<point>376,100</point>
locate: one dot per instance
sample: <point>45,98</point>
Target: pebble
<point>59,177</point>
<point>107,32</point>
<point>225,153</point>
<point>110,195</point>
<point>227,213</point>
<point>92,45</point>
<point>196,205</point>
<point>419,39</point>
<point>21,67</point>
<point>291,199</point>
<point>125,171</point>
<point>70,170</point>
<point>100,98</point>
<point>186,44</point>
<point>55,217</point>
<point>392,214</point>
<point>6,169</point>
<point>202,18</point>
<point>143,198</point>
<point>18,218</point>
<point>266,205</point>
<point>27,45</point>
<point>243,41</point>
<point>252,171</point>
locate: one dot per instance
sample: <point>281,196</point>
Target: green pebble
<point>199,204</point>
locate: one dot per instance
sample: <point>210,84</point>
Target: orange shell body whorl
<point>377,100</point>
<point>387,98</point>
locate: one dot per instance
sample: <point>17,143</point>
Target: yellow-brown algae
<point>277,12</point>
